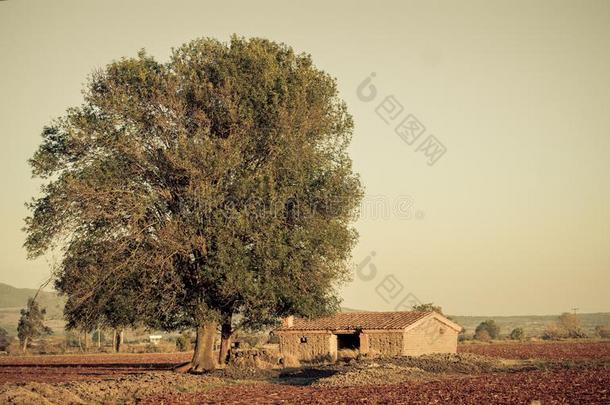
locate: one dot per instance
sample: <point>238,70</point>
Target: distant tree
<point>482,335</point>
<point>215,188</point>
<point>31,324</point>
<point>490,327</point>
<point>4,339</point>
<point>517,334</point>
<point>603,331</point>
<point>427,308</point>
<point>567,326</point>
<point>570,323</point>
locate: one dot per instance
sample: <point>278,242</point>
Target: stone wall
<point>385,342</point>
<point>432,336</point>
<point>318,346</point>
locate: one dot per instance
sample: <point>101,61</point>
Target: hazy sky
<point>513,219</point>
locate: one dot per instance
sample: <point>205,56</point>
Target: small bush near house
<point>517,334</point>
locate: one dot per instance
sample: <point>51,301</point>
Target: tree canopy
<point>215,184</point>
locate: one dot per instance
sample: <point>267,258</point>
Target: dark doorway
<point>348,341</point>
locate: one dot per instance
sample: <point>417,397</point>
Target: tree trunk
<point>117,340</point>
<point>25,344</point>
<point>86,343</point>
<point>226,332</point>
<point>203,357</point>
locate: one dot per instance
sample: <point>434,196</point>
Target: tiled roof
<point>359,320</point>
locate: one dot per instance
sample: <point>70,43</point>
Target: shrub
<point>482,335</point>
<point>603,331</point>
<point>183,342</point>
<point>553,332</point>
<point>517,334</point>
<point>490,327</point>
<point>567,326</point>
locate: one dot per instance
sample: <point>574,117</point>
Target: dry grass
<point>288,360</point>
<point>347,354</point>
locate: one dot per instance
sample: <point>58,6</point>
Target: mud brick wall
<point>317,347</point>
<point>431,336</point>
<point>386,342</point>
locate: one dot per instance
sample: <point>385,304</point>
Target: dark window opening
<point>348,341</point>
<point>303,339</point>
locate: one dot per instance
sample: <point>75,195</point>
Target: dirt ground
<point>492,373</point>
<point>572,350</point>
<point>60,368</point>
<point>549,387</point>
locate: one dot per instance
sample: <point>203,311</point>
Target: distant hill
<point>533,325</point>
<point>12,300</point>
<point>11,297</point>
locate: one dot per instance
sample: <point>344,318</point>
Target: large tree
<point>212,185</point>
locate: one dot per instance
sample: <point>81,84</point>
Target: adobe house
<point>384,333</point>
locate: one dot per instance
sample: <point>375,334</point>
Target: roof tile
<point>358,320</point>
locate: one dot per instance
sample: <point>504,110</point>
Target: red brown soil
<point>582,385</point>
<point>550,387</point>
<point>58,368</point>
<point>541,350</point>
